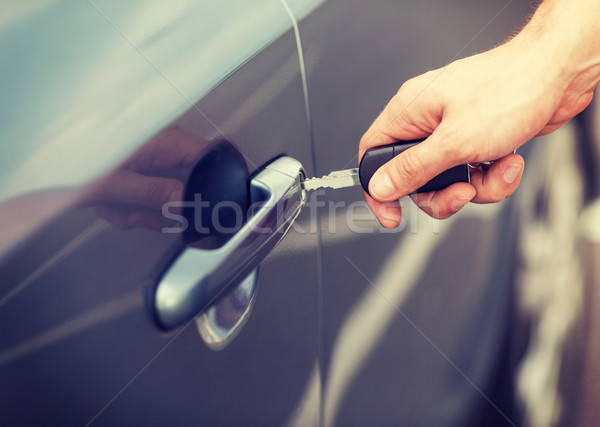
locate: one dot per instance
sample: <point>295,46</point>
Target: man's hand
<point>134,195</point>
<point>478,109</point>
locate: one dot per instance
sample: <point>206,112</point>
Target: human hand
<point>133,195</point>
<point>477,109</point>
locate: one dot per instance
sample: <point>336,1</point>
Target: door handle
<point>197,277</point>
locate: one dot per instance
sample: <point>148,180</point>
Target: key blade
<point>335,180</point>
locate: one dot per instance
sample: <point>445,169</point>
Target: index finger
<point>415,166</point>
<point>388,214</point>
<point>389,127</point>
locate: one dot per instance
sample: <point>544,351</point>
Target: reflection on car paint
<point>105,313</point>
<point>115,42</point>
<point>84,237</point>
<point>365,325</point>
<point>222,321</point>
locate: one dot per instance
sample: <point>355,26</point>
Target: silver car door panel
<point>80,344</point>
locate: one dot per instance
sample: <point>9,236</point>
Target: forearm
<point>566,34</point>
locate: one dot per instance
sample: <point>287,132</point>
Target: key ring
<point>483,165</point>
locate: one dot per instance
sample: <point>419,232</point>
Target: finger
<point>388,127</point>
<point>388,214</point>
<point>113,216</point>
<point>445,203</point>
<point>129,187</point>
<point>549,128</point>
<point>414,167</point>
<point>499,181</point>
<point>171,148</point>
<point>571,107</point>
<point>125,218</point>
<point>402,118</point>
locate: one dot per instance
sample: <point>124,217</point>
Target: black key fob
<point>378,156</point>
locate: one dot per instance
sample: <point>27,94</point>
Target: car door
<point>415,320</point>
<point>109,111</point>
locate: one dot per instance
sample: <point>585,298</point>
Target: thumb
<point>411,169</point>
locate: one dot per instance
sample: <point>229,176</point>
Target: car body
<point>344,323</point>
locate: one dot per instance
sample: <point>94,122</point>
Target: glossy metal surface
<point>198,277</point>
<point>82,346</point>
<point>222,321</point>
<point>73,107</point>
<point>334,180</point>
<point>342,323</point>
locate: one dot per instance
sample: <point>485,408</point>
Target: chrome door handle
<point>198,277</point>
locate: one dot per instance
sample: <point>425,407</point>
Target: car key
<point>376,157</point>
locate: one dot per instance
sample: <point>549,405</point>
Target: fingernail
<point>381,185</point>
<point>458,203</point>
<point>511,172</point>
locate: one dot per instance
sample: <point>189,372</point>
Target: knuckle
<point>403,95</point>
<point>408,168</point>
<point>411,85</point>
<point>155,193</point>
<point>404,87</point>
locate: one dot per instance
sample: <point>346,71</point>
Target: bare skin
<point>484,107</point>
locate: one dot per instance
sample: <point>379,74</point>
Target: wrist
<point>564,37</point>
